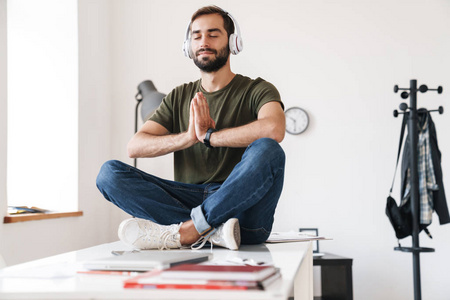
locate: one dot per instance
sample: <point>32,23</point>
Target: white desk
<point>56,278</point>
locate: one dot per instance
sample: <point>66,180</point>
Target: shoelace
<point>165,236</point>
<point>209,238</point>
<point>202,241</point>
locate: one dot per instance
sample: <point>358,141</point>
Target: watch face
<point>297,120</point>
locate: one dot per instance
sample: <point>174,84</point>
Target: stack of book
<point>196,276</point>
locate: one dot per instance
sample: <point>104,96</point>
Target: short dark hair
<point>209,10</point>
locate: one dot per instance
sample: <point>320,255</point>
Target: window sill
<point>33,217</point>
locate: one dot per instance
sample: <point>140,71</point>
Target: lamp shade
<point>150,98</point>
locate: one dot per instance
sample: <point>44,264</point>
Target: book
<point>218,272</point>
<point>153,280</point>
<point>14,210</point>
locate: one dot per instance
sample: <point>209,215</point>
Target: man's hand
<point>191,128</point>
<point>153,139</point>
<point>202,117</point>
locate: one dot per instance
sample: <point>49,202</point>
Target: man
<point>224,130</point>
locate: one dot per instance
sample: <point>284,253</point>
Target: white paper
<point>292,236</point>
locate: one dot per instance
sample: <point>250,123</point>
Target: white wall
<point>3,120</point>
<point>337,59</point>
<point>25,241</point>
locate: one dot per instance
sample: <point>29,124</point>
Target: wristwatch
<point>208,136</point>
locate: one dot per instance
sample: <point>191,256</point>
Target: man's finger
<point>191,110</point>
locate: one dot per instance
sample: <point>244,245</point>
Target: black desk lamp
<point>150,99</point>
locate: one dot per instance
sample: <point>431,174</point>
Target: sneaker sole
<point>236,233</point>
<point>120,231</point>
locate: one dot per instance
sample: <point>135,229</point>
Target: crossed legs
<point>250,193</point>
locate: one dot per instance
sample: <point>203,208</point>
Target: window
<point>42,157</point>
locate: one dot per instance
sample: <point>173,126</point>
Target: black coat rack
<point>415,201</point>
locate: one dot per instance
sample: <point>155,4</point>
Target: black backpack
<point>401,216</point>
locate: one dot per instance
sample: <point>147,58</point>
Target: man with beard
<point>224,130</point>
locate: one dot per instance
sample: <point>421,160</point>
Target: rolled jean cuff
<point>203,228</point>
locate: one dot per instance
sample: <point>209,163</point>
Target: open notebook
<point>146,260</point>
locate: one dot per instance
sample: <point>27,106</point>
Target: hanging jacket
<point>431,187</point>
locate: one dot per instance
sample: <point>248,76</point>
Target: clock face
<point>297,120</point>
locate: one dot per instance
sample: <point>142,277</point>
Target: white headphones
<point>235,40</point>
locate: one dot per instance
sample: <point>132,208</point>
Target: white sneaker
<point>145,234</point>
<point>228,235</point>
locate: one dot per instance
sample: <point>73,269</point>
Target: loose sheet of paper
<point>292,236</point>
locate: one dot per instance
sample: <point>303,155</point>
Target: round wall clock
<point>297,120</point>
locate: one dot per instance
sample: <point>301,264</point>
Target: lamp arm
<point>136,113</point>
<point>136,122</point>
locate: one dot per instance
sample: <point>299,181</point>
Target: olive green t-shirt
<point>235,105</point>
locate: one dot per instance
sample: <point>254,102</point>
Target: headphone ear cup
<point>232,43</point>
<point>186,47</point>
<point>239,44</point>
<point>235,43</point>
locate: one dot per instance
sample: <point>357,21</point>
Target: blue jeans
<point>250,193</point>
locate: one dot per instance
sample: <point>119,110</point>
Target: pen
<point>120,273</point>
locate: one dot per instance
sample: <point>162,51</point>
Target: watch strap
<point>208,137</point>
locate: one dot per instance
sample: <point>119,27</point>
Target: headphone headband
<point>235,40</point>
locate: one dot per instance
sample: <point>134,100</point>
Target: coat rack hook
<point>423,89</point>
<point>440,110</point>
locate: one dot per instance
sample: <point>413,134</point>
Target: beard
<point>212,65</point>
